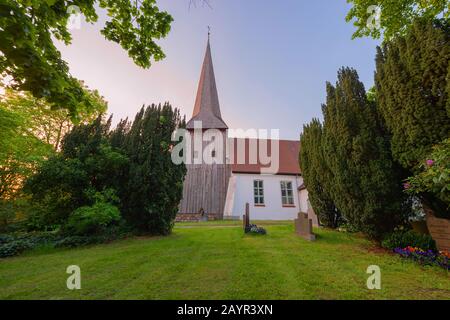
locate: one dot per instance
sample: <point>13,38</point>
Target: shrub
<point>14,244</point>
<point>5,238</point>
<point>434,178</point>
<point>110,234</point>
<point>13,248</point>
<point>85,166</point>
<point>7,213</point>
<point>347,227</point>
<point>403,239</point>
<point>92,220</point>
<point>75,241</point>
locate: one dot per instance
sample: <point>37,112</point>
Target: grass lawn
<point>217,261</point>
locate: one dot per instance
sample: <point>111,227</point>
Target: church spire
<point>207,108</point>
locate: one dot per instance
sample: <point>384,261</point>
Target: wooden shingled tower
<point>205,186</point>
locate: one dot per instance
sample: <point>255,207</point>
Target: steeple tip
<point>207,108</point>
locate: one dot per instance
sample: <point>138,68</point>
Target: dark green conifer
<point>316,175</point>
<point>152,185</point>
<point>365,185</point>
<point>413,88</point>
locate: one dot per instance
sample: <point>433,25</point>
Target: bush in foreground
<point>403,239</point>
<point>15,244</point>
<point>92,219</point>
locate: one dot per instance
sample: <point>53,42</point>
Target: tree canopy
<point>30,132</point>
<point>20,152</point>
<point>28,53</point>
<point>43,122</point>
<point>413,88</point>
<point>396,15</point>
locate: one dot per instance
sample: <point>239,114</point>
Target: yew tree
<point>317,175</point>
<point>366,183</point>
<point>151,187</point>
<point>413,88</point>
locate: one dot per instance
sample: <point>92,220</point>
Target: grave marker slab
<point>303,227</point>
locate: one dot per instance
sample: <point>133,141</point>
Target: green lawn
<point>217,261</point>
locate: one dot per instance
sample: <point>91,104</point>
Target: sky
<point>271,59</point>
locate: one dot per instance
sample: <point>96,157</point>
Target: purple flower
<point>406,185</point>
<point>423,257</point>
<point>430,162</point>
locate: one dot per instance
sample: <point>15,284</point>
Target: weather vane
<point>209,32</point>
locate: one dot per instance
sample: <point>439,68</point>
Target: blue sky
<point>271,59</point>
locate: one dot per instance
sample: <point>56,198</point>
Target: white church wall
<point>273,208</point>
<point>229,201</point>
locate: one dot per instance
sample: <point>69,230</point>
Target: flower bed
<point>253,228</point>
<point>425,257</point>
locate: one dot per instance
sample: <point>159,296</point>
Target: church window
<point>287,194</point>
<point>258,192</point>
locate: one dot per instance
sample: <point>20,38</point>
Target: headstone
<point>303,227</point>
<point>246,217</point>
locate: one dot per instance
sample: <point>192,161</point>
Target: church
<point>239,172</point>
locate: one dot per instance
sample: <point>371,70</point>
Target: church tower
<point>206,182</point>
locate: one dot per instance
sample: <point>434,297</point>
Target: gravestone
<point>303,227</point>
<point>246,218</point>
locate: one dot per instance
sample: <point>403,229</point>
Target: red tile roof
<point>288,157</point>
